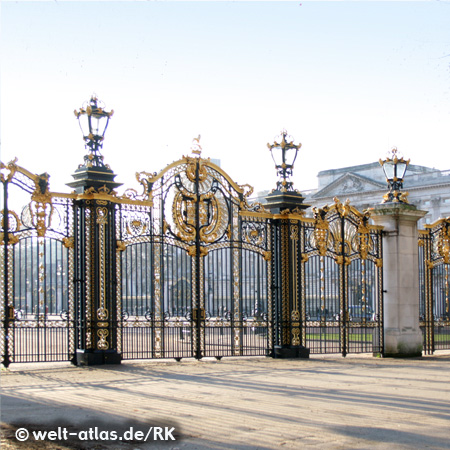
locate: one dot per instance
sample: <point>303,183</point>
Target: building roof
<point>349,183</point>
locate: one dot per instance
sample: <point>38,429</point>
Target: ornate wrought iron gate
<point>184,268</point>
<point>434,262</point>
<point>195,260</point>
<point>37,308</point>
<point>336,298</point>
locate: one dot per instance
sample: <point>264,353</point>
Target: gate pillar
<point>95,244</point>
<point>402,334</point>
<point>287,207</point>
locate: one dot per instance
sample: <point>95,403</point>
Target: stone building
<point>365,185</point>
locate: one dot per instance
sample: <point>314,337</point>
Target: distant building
<point>365,185</point>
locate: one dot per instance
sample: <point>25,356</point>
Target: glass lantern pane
<point>277,155</point>
<point>389,169</point>
<point>98,123</point>
<point>401,169</point>
<point>291,156</point>
<point>83,120</point>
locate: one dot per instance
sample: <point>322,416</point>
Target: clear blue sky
<point>348,80</point>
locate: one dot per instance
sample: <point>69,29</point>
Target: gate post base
<point>96,358</point>
<point>292,351</point>
<point>402,345</point>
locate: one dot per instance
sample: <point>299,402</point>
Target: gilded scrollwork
<point>285,272</point>
<point>343,260</point>
<point>12,167</point>
<point>69,242</point>
<point>191,170</point>
<point>438,236</point>
<point>210,232</point>
<point>12,239</point>
<point>102,343</point>
<point>342,209</point>
<point>363,240</point>
<point>192,251</point>
<point>320,236</point>
<point>183,215</point>
<point>254,233</point>
<point>294,232</point>
<point>136,227</point>
<point>14,223</point>
<point>443,243</point>
<point>121,246</point>
<point>41,208</point>
<point>102,313</point>
<point>403,197</point>
<point>102,216</point>
<point>295,336</point>
<point>208,206</point>
<point>341,230</point>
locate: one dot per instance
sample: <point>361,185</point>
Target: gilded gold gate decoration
<point>336,294</point>
<point>37,264</point>
<point>434,262</point>
<point>204,287</point>
<point>186,266</point>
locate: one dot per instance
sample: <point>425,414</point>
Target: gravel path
<point>242,404</point>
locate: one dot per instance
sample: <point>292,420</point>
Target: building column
<point>402,334</point>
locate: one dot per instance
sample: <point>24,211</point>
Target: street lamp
<point>284,154</point>
<point>93,174</point>
<point>394,168</point>
<point>93,120</point>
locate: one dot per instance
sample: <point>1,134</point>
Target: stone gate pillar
<point>402,335</point>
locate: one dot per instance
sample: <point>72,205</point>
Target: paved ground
<point>252,403</point>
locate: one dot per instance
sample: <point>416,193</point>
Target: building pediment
<point>349,183</point>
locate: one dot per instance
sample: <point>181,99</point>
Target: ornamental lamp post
<point>394,167</point>
<point>284,154</point>
<point>95,246</point>
<point>286,205</point>
<point>93,121</point>
<point>284,197</point>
